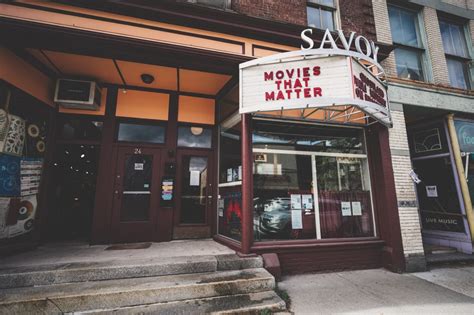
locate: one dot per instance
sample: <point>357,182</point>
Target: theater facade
<point>130,123</point>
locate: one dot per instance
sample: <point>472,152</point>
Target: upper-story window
<point>457,55</point>
<point>220,4</point>
<point>321,14</point>
<point>408,45</point>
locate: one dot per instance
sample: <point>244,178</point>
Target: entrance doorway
<point>135,213</point>
<point>194,194</point>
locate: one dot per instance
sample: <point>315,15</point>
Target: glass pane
<point>74,184</point>
<point>457,73</point>
<point>344,197</point>
<point>80,129</point>
<point>230,154</point>
<point>283,197</point>
<point>408,64</point>
<point>329,3</point>
<point>141,133</point>
<point>305,137</point>
<point>314,18</point>
<point>327,19</point>
<point>437,195</point>
<point>136,187</point>
<point>447,39</point>
<point>403,26</point>
<point>194,137</point>
<point>194,189</point>
<point>459,41</point>
<point>230,172</point>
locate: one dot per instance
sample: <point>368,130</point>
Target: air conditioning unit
<point>77,94</point>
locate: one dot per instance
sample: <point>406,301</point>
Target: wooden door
<point>135,212</point>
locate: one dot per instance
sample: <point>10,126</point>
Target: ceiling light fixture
<point>147,78</point>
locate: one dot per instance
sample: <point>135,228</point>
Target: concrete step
<point>251,303</point>
<point>118,293</point>
<point>13,277</point>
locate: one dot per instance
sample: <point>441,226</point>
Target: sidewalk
<point>378,291</point>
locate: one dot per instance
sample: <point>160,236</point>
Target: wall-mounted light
<point>147,78</point>
<point>197,131</point>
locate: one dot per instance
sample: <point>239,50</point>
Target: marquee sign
<point>323,78</point>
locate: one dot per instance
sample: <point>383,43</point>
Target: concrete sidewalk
<point>379,291</point>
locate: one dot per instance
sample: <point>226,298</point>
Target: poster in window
<point>307,201</point>
<point>346,208</point>
<point>356,208</point>
<point>194,178</point>
<point>296,219</point>
<point>432,191</point>
<point>295,201</point>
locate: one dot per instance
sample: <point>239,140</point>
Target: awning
<point>317,84</point>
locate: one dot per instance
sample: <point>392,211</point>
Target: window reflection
<point>141,133</point>
<point>194,137</point>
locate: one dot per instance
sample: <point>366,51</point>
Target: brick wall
<point>289,11</point>
<point>384,35</point>
<point>406,195</point>
<point>435,46</point>
<point>358,16</point>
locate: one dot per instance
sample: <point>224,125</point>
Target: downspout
<point>461,175</point>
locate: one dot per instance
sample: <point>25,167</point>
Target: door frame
<point>140,230</point>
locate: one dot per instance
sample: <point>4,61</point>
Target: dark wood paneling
<point>323,257</point>
<point>101,222</point>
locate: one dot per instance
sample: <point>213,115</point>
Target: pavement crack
<point>54,303</point>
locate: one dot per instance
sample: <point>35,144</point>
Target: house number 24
<point>137,151</point>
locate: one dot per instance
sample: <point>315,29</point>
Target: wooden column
<point>247,185</point>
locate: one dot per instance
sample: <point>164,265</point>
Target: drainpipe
<point>461,175</point>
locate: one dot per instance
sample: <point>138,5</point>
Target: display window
<point>438,197</point>
<point>24,124</point>
<point>230,181</point>
<point>310,182</point>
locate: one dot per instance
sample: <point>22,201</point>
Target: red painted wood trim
<point>247,184</point>
<point>385,199</point>
<point>233,244</point>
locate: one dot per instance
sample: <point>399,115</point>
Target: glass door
<point>194,195</point>
<point>136,194</point>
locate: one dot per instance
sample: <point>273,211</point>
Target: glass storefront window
<point>230,182</point>
<point>344,200</point>
<point>310,182</point>
<point>283,197</point>
<point>306,137</point>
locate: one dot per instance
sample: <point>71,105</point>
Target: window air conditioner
<point>77,94</point>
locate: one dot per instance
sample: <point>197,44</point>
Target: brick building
<point>419,103</point>
<point>322,187</point>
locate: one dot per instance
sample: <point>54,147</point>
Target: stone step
<point>251,303</point>
<point>118,293</point>
<point>13,277</point>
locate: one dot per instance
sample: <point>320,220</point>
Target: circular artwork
<point>25,210</point>
<point>33,131</point>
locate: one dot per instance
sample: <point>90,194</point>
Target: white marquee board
<point>308,81</point>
